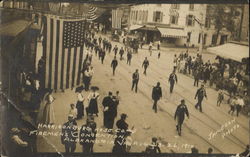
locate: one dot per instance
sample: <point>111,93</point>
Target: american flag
<point>117,18</point>
<point>63,50</point>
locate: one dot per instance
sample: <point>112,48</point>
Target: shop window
<point>207,22</point>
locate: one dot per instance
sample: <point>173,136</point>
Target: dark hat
<point>95,88</point>
<point>154,139</point>
<point>182,100</point>
<point>123,115</point>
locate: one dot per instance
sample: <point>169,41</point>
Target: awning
<point>149,28</point>
<point>231,51</point>
<point>172,32</point>
<point>14,28</point>
<point>134,27</point>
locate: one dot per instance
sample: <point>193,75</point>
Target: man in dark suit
<point>69,134</point>
<point>156,95</point>
<point>114,64</point>
<point>145,65</point>
<point>135,78</point>
<point>180,115</point>
<point>201,93</point>
<point>106,102</point>
<point>172,80</point>
<point>115,49</point>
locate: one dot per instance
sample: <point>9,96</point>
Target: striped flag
<point>91,15</point>
<point>63,50</point>
<point>117,18</point>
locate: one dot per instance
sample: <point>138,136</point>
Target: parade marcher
<point>129,57</point>
<point>114,64</point>
<point>106,101</point>
<point>158,45</point>
<point>80,105</point>
<point>240,105</point>
<point>69,135</point>
<point>201,93</point>
<point>109,47</point>
<point>145,65</point>
<point>180,115</point>
<point>93,106</point>
<point>48,113</point>
<point>232,102</point>
<point>121,52</point>
<point>220,97</point>
<point>156,95</point>
<point>150,48</point>
<point>115,49</point>
<point>73,111</point>
<point>87,135</point>
<point>172,80</point>
<point>102,53</point>
<point>153,148</point>
<point>159,54</point>
<point>197,76</point>
<point>122,133</point>
<point>135,80</point>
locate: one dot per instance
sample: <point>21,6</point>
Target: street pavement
<point>138,107</point>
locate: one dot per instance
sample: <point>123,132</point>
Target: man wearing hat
<point>201,93</point>
<point>69,134</point>
<point>156,95</point>
<point>180,115</point>
<point>106,103</point>
<point>135,81</point>
<point>172,80</point>
<point>122,133</point>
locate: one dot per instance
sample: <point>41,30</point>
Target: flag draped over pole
<point>91,15</point>
<point>63,50</point>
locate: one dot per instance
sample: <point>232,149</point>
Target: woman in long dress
<point>80,105</point>
<point>93,106</point>
<point>48,112</point>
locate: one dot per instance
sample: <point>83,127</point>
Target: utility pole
<point>200,22</point>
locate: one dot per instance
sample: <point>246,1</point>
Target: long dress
<point>93,107</point>
<point>48,113</point>
<point>80,106</point>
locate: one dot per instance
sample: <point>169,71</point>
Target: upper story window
<point>173,19</point>
<point>190,20</point>
<point>191,6</point>
<point>157,16</point>
<point>207,22</point>
<point>175,6</point>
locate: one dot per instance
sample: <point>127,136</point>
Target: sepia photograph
<point>124,78</point>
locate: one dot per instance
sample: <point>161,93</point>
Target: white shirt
<point>240,101</point>
<point>80,97</point>
<point>73,112</point>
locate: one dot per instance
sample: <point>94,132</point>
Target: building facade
<point>174,24</point>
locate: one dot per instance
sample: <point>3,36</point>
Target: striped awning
<point>172,33</point>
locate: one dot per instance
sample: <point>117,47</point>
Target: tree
<point>224,17</point>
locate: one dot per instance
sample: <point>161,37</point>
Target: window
<point>175,6</point>
<point>174,19</point>
<point>199,39</point>
<point>207,22</point>
<point>189,36</point>
<point>136,15</point>
<point>191,6</point>
<point>190,20</point>
<point>140,16</point>
<point>157,17</point>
